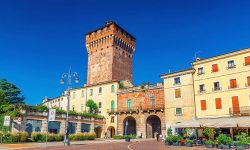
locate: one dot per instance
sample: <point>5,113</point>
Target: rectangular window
<point>202,88</point>
<point>216,86</point>
<point>248,81</point>
<point>231,64</point>
<point>112,119</point>
<point>215,68</point>
<point>100,104</point>
<point>233,83</point>
<point>218,103</point>
<point>82,93</point>
<point>200,71</point>
<point>177,93</point>
<point>177,80</point>
<point>178,111</point>
<point>247,60</point>
<point>152,100</point>
<point>203,105</point>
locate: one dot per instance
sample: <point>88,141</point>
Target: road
<point>110,145</point>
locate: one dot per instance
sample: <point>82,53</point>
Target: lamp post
<point>68,76</point>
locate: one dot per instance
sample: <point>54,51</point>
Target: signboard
<point>17,120</point>
<point>6,121</point>
<point>52,115</point>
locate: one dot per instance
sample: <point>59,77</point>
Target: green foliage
<point>41,108</point>
<point>118,137</point>
<point>242,139</point>
<point>38,136</point>
<point>209,132</point>
<point>82,136</point>
<point>169,139</point>
<point>176,138</point>
<point>169,132</point>
<point>12,93</point>
<point>14,137</point>
<point>189,141</point>
<point>188,132</point>
<point>224,139</point>
<point>92,106</point>
<point>209,142</point>
<point>121,86</point>
<point>2,97</point>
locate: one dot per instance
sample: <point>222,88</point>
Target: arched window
<point>152,100</point>
<point>129,104</point>
<point>100,90</point>
<point>82,93</point>
<point>112,89</point>
<point>100,104</point>
<point>112,105</point>
<point>91,92</point>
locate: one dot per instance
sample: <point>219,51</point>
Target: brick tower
<point>110,52</point>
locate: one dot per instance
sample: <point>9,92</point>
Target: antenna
<point>195,55</point>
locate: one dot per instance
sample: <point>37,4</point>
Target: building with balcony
<point>221,85</point>
<point>140,111</point>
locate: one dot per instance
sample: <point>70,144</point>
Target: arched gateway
<point>129,126</point>
<point>153,126</point>
<point>111,131</point>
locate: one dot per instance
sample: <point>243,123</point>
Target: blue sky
<point>41,39</point>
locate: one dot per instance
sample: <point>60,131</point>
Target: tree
<point>12,93</point>
<point>92,105</point>
<point>2,97</point>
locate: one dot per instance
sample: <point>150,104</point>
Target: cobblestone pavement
<point>139,145</point>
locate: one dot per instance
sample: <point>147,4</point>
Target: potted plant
<point>209,144</point>
<point>209,132</point>
<point>224,141</point>
<point>178,140</point>
<point>168,140</point>
<point>189,143</point>
<point>242,141</point>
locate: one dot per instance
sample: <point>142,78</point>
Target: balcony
<point>239,111</point>
<point>123,110</point>
<point>231,67</point>
<point>215,89</point>
<point>153,108</point>
<point>201,91</point>
<point>233,87</point>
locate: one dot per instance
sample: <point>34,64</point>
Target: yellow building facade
<point>104,95</point>
<point>222,85</point>
<point>179,97</point>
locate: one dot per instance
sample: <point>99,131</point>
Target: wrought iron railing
<point>239,111</point>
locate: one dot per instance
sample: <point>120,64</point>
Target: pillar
<point>44,126</point>
<point>62,127</point>
<point>78,127</point>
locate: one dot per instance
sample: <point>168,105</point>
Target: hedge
<point>14,137</point>
<point>41,137</point>
<point>118,137</point>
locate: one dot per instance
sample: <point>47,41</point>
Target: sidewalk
<point>18,146</point>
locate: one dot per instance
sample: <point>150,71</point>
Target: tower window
<point>112,88</point>
<point>100,90</point>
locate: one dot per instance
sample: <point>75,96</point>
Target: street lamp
<point>68,76</point>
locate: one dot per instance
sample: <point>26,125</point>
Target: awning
<point>225,122</point>
<point>189,124</point>
<point>243,122</point>
<point>220,122</point>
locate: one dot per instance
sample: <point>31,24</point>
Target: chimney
<point>198,59</point>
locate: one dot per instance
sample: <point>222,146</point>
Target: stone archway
<point>98,131</point>
<point>111,131</point>
<point>129,126</point>
<point>153,125</point>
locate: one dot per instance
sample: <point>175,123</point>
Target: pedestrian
<point>105,135</point>
<point>157,137</point>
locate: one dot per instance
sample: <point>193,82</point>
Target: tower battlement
<point>110,52</point>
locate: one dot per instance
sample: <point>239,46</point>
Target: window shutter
<point>235,104</point>
<point>248,81</point>
<point>247,60</point>
<point>233,83</point>
<point>218,103</point>
<point>215,68</point>
<point>203,105</point>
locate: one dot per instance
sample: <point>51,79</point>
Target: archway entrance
<point>111,131</point>
<point>153,125</point>
<point>98,131</point>
<point>129,126</point>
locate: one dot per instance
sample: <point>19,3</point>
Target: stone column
<point>78,127</point>
<point>92,127</point>
<point>44,126</point>
<point>62,126</point>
